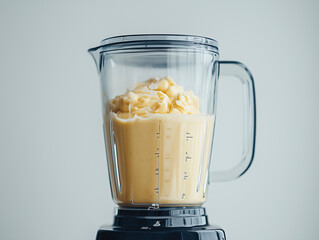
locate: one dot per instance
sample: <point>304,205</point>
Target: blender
<point>159,109</point>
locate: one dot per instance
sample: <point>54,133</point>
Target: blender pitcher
<point>159,110</point>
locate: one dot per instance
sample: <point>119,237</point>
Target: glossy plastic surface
<point>241,72</point>
<point>165,160</point>
<point>166,223</point>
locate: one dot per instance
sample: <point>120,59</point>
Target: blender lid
<point>157,41</point>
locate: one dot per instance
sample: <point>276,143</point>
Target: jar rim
<point>154,40</point>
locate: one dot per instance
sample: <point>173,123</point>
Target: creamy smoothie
<point>158,146</point>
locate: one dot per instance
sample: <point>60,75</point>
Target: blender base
<point>179,223</point>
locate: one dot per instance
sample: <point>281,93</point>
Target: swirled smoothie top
<point>155,96</point>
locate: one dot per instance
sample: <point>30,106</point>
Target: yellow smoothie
<point>159,146</point>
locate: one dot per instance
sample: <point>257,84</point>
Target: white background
<point>53,178</point>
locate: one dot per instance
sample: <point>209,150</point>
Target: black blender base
<point>183,223</point>
<point>196,233</point>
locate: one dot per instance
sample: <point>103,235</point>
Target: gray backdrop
<point>53,178</point>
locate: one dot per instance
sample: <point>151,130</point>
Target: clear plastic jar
<point>159,110</point>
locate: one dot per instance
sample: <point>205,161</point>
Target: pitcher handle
<point>241,72</point>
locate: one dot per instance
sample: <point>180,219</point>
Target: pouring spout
<point>95,53</point>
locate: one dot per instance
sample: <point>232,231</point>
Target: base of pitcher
<point>156,205</point>
<point>180,223</point>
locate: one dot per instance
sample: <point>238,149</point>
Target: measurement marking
<point>185,176</point>
<point>158,162</point>
<point>187,157</point>
<point>188,136</point>
<point>203,136</point>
